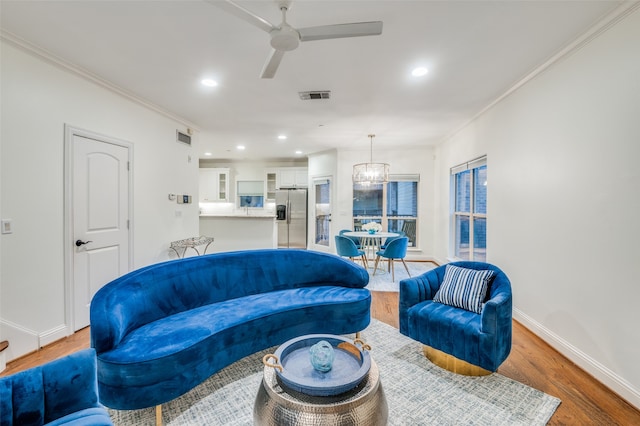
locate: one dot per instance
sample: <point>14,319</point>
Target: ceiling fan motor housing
<point>285,38</point>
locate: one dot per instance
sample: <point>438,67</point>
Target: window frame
<point>471,216</point>
<point>358,221</point>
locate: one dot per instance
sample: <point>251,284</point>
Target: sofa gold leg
<point>453,364</point>
<point>158,415</point>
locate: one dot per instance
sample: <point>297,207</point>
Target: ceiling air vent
<point>317,94</point>
<point>183,137</point>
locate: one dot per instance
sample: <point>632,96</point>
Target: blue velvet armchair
<point>480,339</point>
<point>61,392</point>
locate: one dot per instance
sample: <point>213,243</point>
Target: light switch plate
<point>7,226</point>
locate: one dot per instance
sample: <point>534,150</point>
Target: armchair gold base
<point>453,364</point>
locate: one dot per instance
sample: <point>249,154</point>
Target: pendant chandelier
<point>371,173</point>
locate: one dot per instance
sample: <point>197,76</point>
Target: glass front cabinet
<point>214,185</point>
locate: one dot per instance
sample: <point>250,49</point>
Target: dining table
<point>371,243</point>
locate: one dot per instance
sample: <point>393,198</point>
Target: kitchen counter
<point>241,216</point>
<point>234,232</point>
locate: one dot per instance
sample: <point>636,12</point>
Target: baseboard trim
<point>601,373</point>
<point>21,339</point>
<point>50,336</point>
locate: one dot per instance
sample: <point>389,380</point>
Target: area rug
<point>417,391</point>
<point>381,281</point>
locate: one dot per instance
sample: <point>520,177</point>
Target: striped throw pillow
<point>464,288</point>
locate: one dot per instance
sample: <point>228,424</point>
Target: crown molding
<point>88,75</point>
<point>611,19</point>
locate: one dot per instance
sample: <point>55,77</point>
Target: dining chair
<point>396,249</point>
<point>409,228</point>
<point>356,240</point>
<point>345,247</point>
<point>388,240</point>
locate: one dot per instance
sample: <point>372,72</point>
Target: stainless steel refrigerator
<point>291,217</point>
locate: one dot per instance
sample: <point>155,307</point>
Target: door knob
<point>80,243</point>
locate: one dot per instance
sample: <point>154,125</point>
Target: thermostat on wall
<point>7,227</point>
<point>184,199</point>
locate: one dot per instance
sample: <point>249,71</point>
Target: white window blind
<point>250,187</point>
<point>404,178</point>
<point>469,165</point>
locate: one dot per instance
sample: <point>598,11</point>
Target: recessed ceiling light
<point>419,72</point>
<point>240,147</point>
<point>209,82</point>
<point>282,137</point>
<point>208,154</point>
<point>298,152</point>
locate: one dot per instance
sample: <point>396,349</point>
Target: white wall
<point>563,202</point>
<point>38,99</point>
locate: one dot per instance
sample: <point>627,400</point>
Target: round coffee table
<point>276,405</point>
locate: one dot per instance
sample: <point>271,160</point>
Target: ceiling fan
<point>284,37</point>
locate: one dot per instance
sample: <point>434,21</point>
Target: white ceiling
<point>160,50</point>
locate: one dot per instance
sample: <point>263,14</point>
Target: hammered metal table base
<point>365,405</point>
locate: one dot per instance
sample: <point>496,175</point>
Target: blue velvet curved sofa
<point>482,340</point>
<point>163,329</point>
<point>61,392</point>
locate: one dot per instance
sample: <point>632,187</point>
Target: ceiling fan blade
<point>244,14</point>
<point>270,67</point>
<point>324,32</point>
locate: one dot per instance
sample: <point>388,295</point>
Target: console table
<point>192,243</point>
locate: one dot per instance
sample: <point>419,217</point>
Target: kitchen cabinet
<point>292,177</point>
<point>271,184</point>
<point>214,184</point>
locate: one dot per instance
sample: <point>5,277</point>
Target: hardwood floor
<point>585,401</point>
<point>58,349</point>
<point>533,362</point>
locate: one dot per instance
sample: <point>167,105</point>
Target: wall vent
<point>183,137</point>
<point>316,94</point>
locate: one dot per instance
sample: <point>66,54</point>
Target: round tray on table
<point>351,365</point>
<point>283,396</point>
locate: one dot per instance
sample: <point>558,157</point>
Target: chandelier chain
<point>371,136</point>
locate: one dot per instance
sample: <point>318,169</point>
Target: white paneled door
<point>100,210</point>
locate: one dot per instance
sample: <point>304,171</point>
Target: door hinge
<point>128,165</point>
<point>127,223</point>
